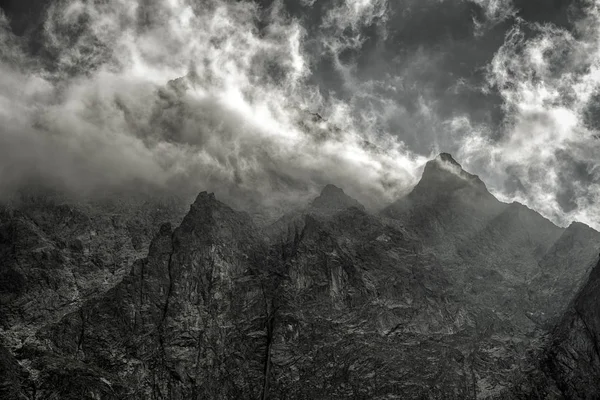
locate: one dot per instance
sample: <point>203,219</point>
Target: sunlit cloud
<point>167,92</point>
<point>547,82</point>
<point>230,97</point>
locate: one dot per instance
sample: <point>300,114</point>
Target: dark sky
<point>219,94</point>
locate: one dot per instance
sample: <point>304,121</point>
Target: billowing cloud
<point>493,12</point>
<point>265,102</point>
<point>549,154</point>
<point>187,94</point>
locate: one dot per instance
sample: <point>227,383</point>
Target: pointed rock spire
<point>447,157</point>
<point>443,176</point>
<point>333,198</point>
<point>204,197</point>
<point>446,174</point>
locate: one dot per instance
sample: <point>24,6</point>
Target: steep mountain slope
<point>505,257</point>
<point>448,294</point>
<point>214,313</point>
<point>564,269</point>
<point>568,365</point>
<point>447,198</point>
<point>186,323</point>
<point>573,356</point>
<point>55,254</point>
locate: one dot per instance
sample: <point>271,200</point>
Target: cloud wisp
<point>549,154</point>
<point>264,103</point>
<point>184,94</point>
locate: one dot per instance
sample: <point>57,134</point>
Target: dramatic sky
<point>268,101</point>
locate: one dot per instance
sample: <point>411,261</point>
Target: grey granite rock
<point>447,294</point>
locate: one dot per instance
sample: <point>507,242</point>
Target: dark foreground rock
<point>447,294</point>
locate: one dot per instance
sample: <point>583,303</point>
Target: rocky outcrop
<point>55,255</point>
<point>333,199</point>
<point>568,365</point>
<point>446,200</point>
<point>187,322</point>
<point>564,269</point>
<point>448,294</point>
<point>573,356</point>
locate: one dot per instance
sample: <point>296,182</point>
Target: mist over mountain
<point>447,293</point>
<point>266,102</point>
<point>279,199</point>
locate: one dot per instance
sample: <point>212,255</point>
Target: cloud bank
<point>266,102</point>
<point>184,94</point>
<point>549,154</point>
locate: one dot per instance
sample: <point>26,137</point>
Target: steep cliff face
<point>446,199</point>
<point>568,367</point>
<point>187,322</point>
<point>564,270</point>
<point>56,255</point>
<point>574,355</point>
<point>449,294</point>
<point>358,301</point>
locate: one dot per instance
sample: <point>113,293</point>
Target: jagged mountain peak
<point>333,198</point>
<point>206,202</point>
<point>578,233</point>
<point>445,174</point>
<point>442,176</point>
<point>331,189</point>
<point>204,197</point>
<point>214,218</point>
<point>204,205</point>
<point>445,163</point>
<point>580,226</point>
<point>447,157</point>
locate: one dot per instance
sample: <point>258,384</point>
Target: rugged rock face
<point>446,200</point>
<point>568,365</point>
<point>573,356</point>
<point>187,322</point>
<point>564,269</point>
<point>55,255</point>
<point>448,294</point>
<point>333,199</point>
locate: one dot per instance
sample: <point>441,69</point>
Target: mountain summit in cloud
<point>445,174</point>
<point>333,198</point>
<point>263,101</point>
<point>416,281</point>
<point>448,293</point>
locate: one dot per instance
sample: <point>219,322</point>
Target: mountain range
<point>447,293</point>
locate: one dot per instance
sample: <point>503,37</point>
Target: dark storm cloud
<point>561,13</point>
<point>425,59</point>
<point>25,15</point>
